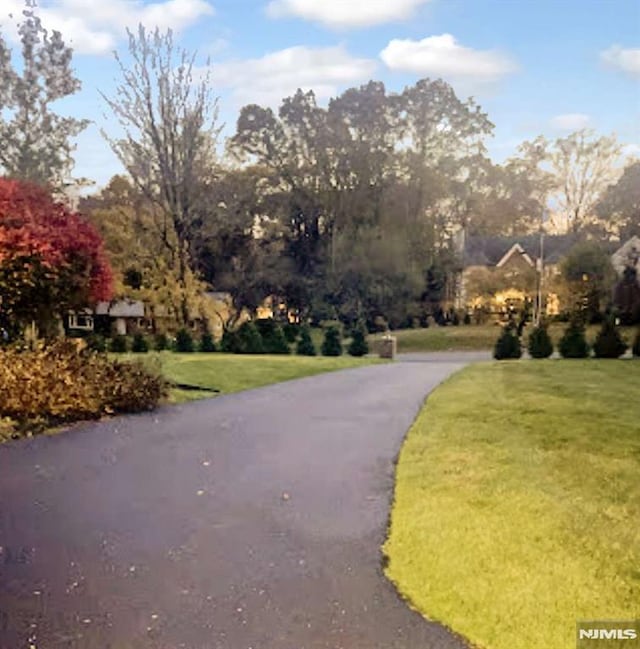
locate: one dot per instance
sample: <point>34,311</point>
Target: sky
<point>537,67</point>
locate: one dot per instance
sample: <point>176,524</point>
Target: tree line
<point>349,211</point>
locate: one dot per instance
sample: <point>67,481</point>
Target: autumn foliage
<point>58,383</point>
<point>51,259</point>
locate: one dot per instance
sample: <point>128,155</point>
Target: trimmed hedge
<point>207,343</point>
<point>573,343</point>
<point>305,346</point>
<point>508,345</point>
<point>60,384</point>
<point>635,350</point>
<point>331,345</point>
<point>358,345</point>
<point>609,342</point>
<point>540,344</point>
<point>139,344</point>
<point>184,342</point>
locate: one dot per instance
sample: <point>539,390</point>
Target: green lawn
<point>234,372</point>
<point>517,503</point>
<point>471,337</point>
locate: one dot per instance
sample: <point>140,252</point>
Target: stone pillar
<point>388,347</point>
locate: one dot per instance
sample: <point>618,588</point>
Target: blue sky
<point>536,66</point>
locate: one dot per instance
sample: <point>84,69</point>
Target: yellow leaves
<point>61,383</point>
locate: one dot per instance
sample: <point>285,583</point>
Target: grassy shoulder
<point>517,502</point>
<point>473,337</point>
<point>228,373</point>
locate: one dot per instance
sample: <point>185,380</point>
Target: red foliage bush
<point>51,259</point>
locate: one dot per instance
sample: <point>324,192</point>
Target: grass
<point>518,501</point>
<point>473,337</point>
<point>234,372</point>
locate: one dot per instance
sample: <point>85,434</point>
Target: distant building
<point>503,272</point>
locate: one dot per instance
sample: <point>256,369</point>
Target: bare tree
<point>584,167</point>
<point>35,142</point>
<point>166,108</point>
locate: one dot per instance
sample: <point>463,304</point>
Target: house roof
<point>494,251</point>
<point>516,249</point>
<point>627,254</point>
<point>121,309</point>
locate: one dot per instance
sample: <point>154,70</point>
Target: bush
<point>305,344</point>
<point>540,345</point>
<point>573,343</point>
<point>331,345</point>
<point>59,384</point>
<point>96,343</point>
<point>291,332</point>
<point>508,345</point>
<point>139,344</point>
<point>249,339</point>
<point>119,344</point>
<point>635,350</point>
<point>273,339</point>
<point>230,342</point>
<point>207,344</point>
<point>609,342</point>
<point>358,345</point>
<point>161,342</point>
<point>184,342</point>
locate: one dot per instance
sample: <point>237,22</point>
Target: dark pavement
<point>249,521</point>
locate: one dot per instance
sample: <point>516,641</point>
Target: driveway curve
<point>249,521</point>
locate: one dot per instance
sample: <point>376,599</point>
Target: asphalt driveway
<point>250,521</point>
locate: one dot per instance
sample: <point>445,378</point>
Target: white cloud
<point>570,121</point>
<point>269,79</point>
<point>96,26</point>
<point>627,60</point>
<point>345,13</point>
<point>442,56</point>
<point>631,150</point>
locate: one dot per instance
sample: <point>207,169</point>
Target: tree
<point>508,344</point>
<point>331,345</point>
<point>588,272</point>
<point>619,207</point>
<point>360,190</point>
<point>609,342</point>
<point>626,297</point>
<point>583,167</point>
<point>35,142</point>
<point>169,120</point>
<point>540,344</point>
<point>358,345</point>
<point>305,345</point>
<point>51,259</point>
<point>142,264</point>
<point>573,343</point>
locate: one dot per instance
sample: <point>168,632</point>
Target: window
<point>80,321</point>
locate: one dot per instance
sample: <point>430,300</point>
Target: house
<point>626,256</point>
<point>118,316</point>
<point>500,273</point>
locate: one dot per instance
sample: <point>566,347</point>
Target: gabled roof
<point>516,249</point>
<point>121,309</point>
<point>627,254</point>
<point>490,251</point>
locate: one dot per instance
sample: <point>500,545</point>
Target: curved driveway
<point>250,521</point>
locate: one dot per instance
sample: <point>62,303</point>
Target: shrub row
<point>264,336</point>
<point>140,344</point>
<point>61,383</point>
<point>573,344</point>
